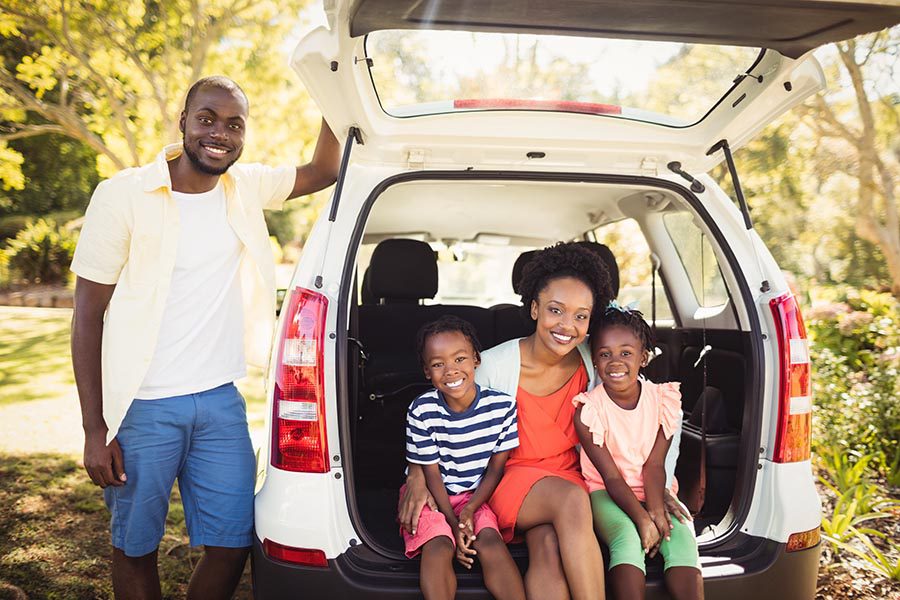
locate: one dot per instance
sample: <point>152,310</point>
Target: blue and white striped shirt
<point>460,443</point>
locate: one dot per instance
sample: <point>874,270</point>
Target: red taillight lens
<point>299,441</point>
<point>296,556</point>
<point>792,437</point>
<point>803,540</point>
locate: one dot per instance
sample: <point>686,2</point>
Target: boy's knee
<point>439,546</point>
<point>489,541</point>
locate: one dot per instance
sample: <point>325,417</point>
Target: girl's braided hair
<point>630,318</point>
<point>565,259</point>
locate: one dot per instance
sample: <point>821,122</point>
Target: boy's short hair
<point>447,324</point>
<point>630,318</point>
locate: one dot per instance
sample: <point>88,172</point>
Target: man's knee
<point>226,555</point>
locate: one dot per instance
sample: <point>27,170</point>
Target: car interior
<point>431,248</point>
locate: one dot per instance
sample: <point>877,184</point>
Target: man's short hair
<point>214,81</point>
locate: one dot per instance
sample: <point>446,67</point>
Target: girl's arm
<point>615,484</point>
<point>654,475</point>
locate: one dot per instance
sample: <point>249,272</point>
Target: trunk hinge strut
<point>354,135</point>
<point>729,160</point>
<point>696,186</point>
<point>742,202</point>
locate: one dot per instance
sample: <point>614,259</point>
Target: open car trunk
<point>391,301</point>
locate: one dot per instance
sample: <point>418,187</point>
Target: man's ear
<point>181,122</point>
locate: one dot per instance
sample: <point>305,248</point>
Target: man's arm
<point>322,170</point>
<point>103,463</point>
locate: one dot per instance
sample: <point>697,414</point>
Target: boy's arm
<point>492,476</point>
<point>436,486</point>
<point>616,486</point>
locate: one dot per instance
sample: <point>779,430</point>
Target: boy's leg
<point>153,439</point>
<point>626,557</point>
<point>216,484</point>
<point>436,577</point>
<point>684,579</point>
<point>501,575</point>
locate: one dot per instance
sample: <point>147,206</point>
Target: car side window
<point>628,244</point>
<point>698,259</point>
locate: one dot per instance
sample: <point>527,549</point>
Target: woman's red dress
<point>547,441</point>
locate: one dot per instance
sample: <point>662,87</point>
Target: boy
<point>461,434</point>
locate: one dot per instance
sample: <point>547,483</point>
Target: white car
<point>444,187</point>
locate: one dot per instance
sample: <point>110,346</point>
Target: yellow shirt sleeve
<point>103,245</point>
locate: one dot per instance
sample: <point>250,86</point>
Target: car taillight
<point>297,556</point>
<point>803,540</point>
<point>299,441</point>
<point>792,437</point>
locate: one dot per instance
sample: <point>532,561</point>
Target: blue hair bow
<point>614,305</point>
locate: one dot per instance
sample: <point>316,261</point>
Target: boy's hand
<point>649,535</point>
<point>465,553</point>
<point>466,523</point>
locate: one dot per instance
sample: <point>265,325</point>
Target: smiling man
<point>175,294</point>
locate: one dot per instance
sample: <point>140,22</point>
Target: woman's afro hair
<point>565,259</point>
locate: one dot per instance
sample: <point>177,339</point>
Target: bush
<point>11,225</point>
<point>41,253</point>
<point>855,352</point>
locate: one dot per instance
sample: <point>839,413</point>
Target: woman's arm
<point>415,497</point>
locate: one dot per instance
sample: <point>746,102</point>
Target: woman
<point>542,494</point>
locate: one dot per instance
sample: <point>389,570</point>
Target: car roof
<point>792,27</point>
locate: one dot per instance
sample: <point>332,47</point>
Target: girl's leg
<point>566,506</point>
<point>545,578</point>
<point>501,575</point>
<point>682,561</point>
<point>626,557</point>
<point>436,577</point>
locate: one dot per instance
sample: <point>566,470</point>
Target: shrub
<point>855,352</point>
<point>41,253</point>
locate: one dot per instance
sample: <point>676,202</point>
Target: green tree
<point>113,73</point>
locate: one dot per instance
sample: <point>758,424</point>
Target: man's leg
<point>135,578</point>
<point>218,573</point>
<point>152,437</point>
<point>216,484</point>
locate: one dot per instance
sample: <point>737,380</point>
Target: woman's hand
<point>415,497</point>
<point>675,508</point>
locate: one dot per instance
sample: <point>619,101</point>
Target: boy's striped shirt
<point>460,443</point>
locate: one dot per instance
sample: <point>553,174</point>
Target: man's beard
<point>203,167</point>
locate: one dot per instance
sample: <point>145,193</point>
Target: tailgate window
<point>427,72</point>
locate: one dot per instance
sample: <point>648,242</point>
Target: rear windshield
<point>427,72</point>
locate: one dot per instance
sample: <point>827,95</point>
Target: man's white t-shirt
<point>201,339</point>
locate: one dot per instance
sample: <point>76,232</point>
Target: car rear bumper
<point>765,571</point>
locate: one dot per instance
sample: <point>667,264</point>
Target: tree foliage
<point>113,73</point>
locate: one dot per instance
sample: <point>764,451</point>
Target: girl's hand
<point>415,497</point>
<point>649,535</point>
<point>663,526</point>
<point>675,508</point>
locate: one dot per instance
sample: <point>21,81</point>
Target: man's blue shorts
<point>202,440</point>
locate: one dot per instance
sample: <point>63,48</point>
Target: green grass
<point>34,354</point>
<point>54,534</point>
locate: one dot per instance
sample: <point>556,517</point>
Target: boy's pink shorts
<point>433,524</point>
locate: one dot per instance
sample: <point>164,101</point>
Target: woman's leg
<point>545,577</point>
<point>501,575</point>
<point>626,557</point>
<point>564,505</point>
<point>436,577</point>
<point>682,561</point>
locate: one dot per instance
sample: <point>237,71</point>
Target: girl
<point>625,426</point>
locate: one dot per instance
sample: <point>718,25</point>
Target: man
<point>176,255</point>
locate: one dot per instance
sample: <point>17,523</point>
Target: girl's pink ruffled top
<point>629,435</point>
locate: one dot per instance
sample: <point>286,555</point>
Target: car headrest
<point>365,292</point>
<point>403,269</point>
<point>608,259</point>
<point>519,268</point>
